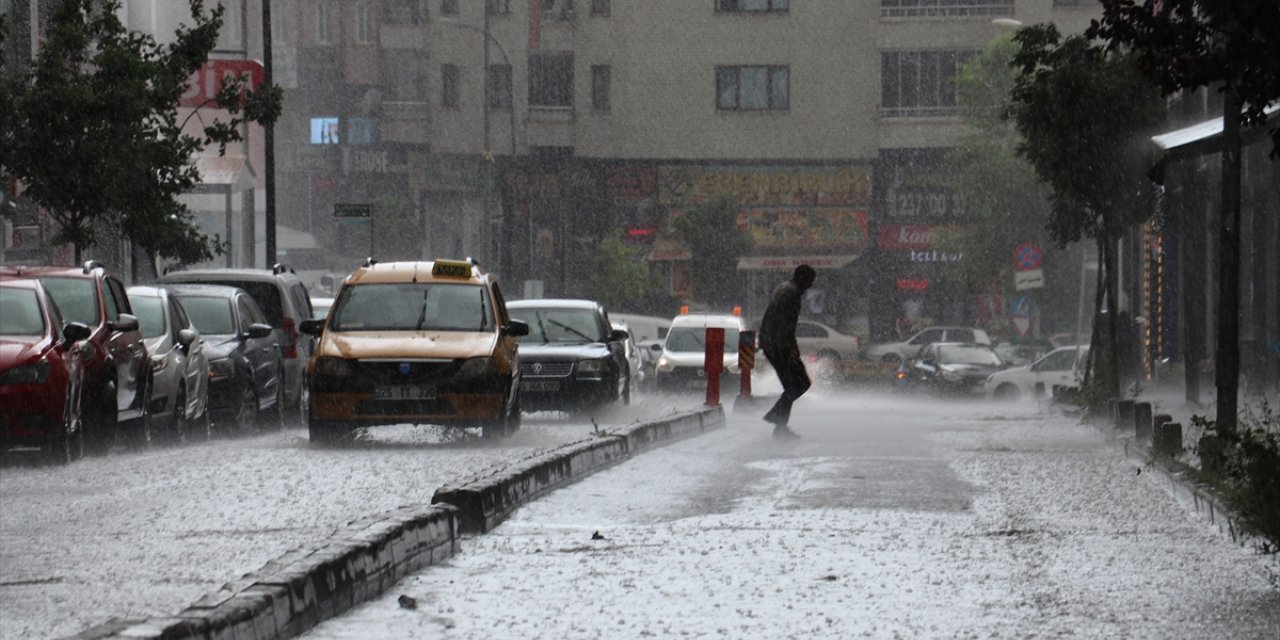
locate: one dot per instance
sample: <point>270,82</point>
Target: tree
<point>711,232</point>
<point>1192,44</point>
<point>1000,188</point>
<point>93,130</point>
<point>1085,114</point>
<point>619,275</point>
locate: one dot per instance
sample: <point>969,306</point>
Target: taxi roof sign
<point>451,269</point>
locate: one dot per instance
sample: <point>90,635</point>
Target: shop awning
<point>1205,137</point>
<point>788,263</point>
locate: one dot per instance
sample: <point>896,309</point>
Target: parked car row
<point>86,363</point>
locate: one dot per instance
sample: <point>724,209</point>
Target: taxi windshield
<point>417,306</point>
<point>694,339</point>
<point>563,326</point>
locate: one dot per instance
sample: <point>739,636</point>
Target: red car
<point>116,364</point>
<point>41,372</point>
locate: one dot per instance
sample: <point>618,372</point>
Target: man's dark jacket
<point>778,327</point>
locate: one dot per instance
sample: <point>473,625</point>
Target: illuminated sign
<point>913,284</point>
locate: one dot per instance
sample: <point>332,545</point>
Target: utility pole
<point>268,142</point>
<point>1227,360</point>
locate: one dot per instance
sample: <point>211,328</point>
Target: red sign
<point>203,85</point>
<point>906,236</point>
<point>1026,257</point>
<point>913,284</point>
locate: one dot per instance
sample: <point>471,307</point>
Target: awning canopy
<point>1202,138</point>
<point>788,263</point>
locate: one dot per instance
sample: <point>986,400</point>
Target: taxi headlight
<point>951,376</point>
<point>333,367</point>
<point>592,366</point>
<point>665,365</point>
<point>477,367</point>
<point>158,363</point>
<point>35,373</point>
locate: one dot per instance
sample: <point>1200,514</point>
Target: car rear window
<point>694,339</point>
<point>150,315</point>
<point>77,297</point>
<point>211,316</point>
<point>565,326</point>
<point>21,315</point>
<point>266,294</point>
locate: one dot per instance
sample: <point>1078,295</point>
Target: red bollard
<point>714,364</point>
<point>746,361</point>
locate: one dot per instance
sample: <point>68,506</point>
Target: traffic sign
<point>351,210</point>
<point>1026,257</point>
<point>1023,280</point>
<point>1022,309</point>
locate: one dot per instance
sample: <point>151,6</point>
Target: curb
<point>365,558</point>
<point>485,501</point>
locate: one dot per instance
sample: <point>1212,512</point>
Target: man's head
<point>803,277</point>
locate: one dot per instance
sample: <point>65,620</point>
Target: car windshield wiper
<point>571,330</point>
<point>422,317</point>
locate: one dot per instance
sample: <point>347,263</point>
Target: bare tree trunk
<point>1099,289</point>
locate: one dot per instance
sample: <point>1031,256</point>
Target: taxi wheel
<point>1007,392</point>
<point>178,428</point>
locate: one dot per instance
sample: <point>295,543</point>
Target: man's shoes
<point>775,419</point>
<point>781,432</point>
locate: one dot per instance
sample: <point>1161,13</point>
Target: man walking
<point>778,341</point>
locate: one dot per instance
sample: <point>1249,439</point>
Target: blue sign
<point>1022,306</point>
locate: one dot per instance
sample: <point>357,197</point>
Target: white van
<point>643,328</point>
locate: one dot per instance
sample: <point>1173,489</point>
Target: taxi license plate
<point>404,392</point>
<point>539,386</point>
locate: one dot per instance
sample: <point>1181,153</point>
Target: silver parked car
<point>178,405</point>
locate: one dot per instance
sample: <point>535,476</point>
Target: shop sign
<point>936,256</point>
<point>629,181</point>
<point>768,186</point>
<point>204,84</point>
<point>913,285</point>
<point>907,236</point>
<point>524,185</point>
<point>788,263</point>
<point>805,227</point>
<point>373,160</point>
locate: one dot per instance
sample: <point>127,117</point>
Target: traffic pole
<point>746,361</point>
<point>713,364</point>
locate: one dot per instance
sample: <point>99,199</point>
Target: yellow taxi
<point>426,342</point>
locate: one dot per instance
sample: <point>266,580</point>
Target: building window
<point>448,7</point>
<point>551,80</point>
<point>401,12</point>
<point>601,79</point>
<point>557,10</point>
<point>363,28</point>
<point>279,29</point>
<point>449,86</point>
<point>497,7</point>
<point>753,88</point>
<point>498,86</point>
<point>361,131</point>
<point>919,83</point>
<point>402,75</point>
<point>324,30</point>
<point>751,6</point>
<point>600,8</point>
<point>933,8</point>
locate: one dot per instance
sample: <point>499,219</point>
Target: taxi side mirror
<point>311,327</point>
<point>516,329</point>
<point>618,335</point>
<point>186,337</point>
<point>656,347</point>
